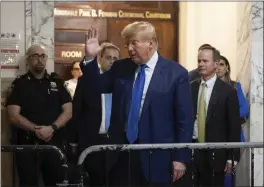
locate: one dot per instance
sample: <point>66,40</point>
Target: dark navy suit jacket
<point>167,114</point>
<point>87,109</point>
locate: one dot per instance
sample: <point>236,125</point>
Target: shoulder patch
<point>14,84</point>
<point>53,84</point>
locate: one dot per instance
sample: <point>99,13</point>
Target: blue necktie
<point>133,116</point>
<point>108,106</point>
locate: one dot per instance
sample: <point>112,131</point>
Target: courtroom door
<point>72,21</point>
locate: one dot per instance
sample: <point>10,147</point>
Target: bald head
<point>35,48</point>
<point>36,59</point>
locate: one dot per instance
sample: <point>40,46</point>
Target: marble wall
<point>243,75</point>
<point>243,52</point>
<point>256,89</point>
<point>40,27</point>
<point>249,66</point>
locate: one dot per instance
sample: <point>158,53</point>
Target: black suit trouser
<point>204,172</point>
<point>96,164</point>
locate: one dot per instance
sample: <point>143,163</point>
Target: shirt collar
<point>153,61</point>
<point>209,83</point>
<point>31,76</point>
<point>100,68</point>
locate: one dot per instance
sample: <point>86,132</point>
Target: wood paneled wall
<point>70,30</point>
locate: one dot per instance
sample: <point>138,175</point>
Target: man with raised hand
<point>151,103</point>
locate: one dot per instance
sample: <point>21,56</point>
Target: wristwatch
<point>54,127</point>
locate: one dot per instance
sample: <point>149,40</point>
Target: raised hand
<point>91,43</point>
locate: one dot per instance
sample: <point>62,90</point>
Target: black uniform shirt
<point>40,99</point>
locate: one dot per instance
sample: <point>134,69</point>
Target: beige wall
<point>209,22</point>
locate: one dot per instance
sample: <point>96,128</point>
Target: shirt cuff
<point>85,62</point>
<point>230,162</point>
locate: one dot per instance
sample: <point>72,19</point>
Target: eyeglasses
<point>38,57</point>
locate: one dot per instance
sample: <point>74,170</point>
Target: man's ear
<point>99,59</point>
<point>216,64</point>
<point>151,44</point>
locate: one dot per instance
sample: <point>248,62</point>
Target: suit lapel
<point>213,100</point>
<point>154,84</point>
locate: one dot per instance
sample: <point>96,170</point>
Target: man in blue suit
<point>151,103</point>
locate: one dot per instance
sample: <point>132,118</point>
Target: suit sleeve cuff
<point>85,62</point>
<point>182,155</point>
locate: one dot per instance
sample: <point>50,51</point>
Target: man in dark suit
<point>92,114</point>
<point>151,104</point>
<point>217,120</point>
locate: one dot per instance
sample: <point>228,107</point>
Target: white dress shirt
<point>71,86</point>
<point>102,129</point>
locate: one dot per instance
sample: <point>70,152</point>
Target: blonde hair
<point>143,27</point>
<point>107,45</point>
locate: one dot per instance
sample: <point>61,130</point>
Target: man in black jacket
<point>217,120</point>
<point>92,112</point>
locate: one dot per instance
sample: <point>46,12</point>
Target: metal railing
<point>38,149</point>
<point>127,147</point>
<point>152,147</point>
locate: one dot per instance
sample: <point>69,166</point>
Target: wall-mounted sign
<point>103,14</point>
<point>9,50</point>
<point>71,54</point>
